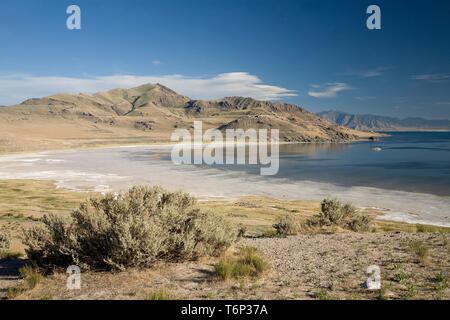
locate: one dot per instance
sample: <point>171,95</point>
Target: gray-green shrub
<point>5,241</point>
<point>287,225</point>
<point>134,229</point>
<point>334,213</point>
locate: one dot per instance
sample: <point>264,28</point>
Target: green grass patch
<point>410,292</point>
<point>30,276</point>
<point>159,294</point>
<point>323,295</point>
<point>15,291</point>
<point>441,284</point>
<point>401,276</point>
<point>30,279</point>
<point>245,264</point>
<point>420,249</point>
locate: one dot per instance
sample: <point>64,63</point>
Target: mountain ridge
<point>382,123</point>
<point>150,113</point>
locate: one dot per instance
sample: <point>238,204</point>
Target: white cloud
<point>432,77</point>
<point>156,63</point>
<point>329,90</point>
<point>19,87</point>
<point>377,72</point>
<point>368,73</point>
<point>443,103</point>
<point>365,98</point>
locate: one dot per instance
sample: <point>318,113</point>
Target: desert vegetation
<point>287,225</point>
<point>286,249</point>
<point>5,244</point>
<point>246,263</point>
<point>334,213</point>
<point>134,229</point>
<point>4,241</point>
<point>30,278</point>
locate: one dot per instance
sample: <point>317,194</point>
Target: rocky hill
<point>380,123</point>
<point>150,113</point>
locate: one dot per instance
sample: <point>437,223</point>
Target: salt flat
<point>118,168</point>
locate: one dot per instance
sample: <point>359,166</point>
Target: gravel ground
<point>337,263</point>
<point>315,266</point>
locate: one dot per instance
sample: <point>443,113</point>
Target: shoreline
<point>208,183</point>
<point>166,144</point>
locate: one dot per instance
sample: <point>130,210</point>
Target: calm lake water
<point>406,175</point>
<point>407,161</point>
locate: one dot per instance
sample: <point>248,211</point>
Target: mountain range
<point>150,113</point>
<point>380,123</point>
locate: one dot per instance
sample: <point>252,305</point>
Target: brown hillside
<point>150,113</point>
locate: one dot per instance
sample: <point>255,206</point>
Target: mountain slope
<point>151,113</point>
<point>380,123</point>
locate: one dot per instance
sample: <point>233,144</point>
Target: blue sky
<point>314,53</point>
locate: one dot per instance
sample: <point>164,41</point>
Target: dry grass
<point>420,249</point>
<point>159,294</point>
<point>30,279</point>
<point>9,255</point>
<point>246,263</point>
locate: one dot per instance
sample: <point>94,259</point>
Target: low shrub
<point>359,223</point>
<point>410,292</point>
<point>30,279</point>
<point>5,244</point>
<point>30,276</point>
<point>441,284</point>
<point>401,276</point>
<point>420,249</point>
<point>5,241</point>
<point>323,294</point>
<point>287,225</point>
<point>246,263</point>
<point>134,229</point>
<point>334,213</point>
<point>14,292</point>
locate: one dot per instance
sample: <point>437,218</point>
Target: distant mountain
<point>151,112</point>
<point>380,123</point>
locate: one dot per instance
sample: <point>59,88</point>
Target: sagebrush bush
<point>334,213</point>
<point>134,229</point>
<point>5,241</point>
<point>359,223</point>
<point>287,225</point>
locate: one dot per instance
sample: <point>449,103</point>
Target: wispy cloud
<point>432,77</point>
<point>368,73</point>
<point>377,72</point>
<point>329,90</point>
<point>443,103</point>
<point>16,88</point>
<point>156,63</point>
<point>365,98</point>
